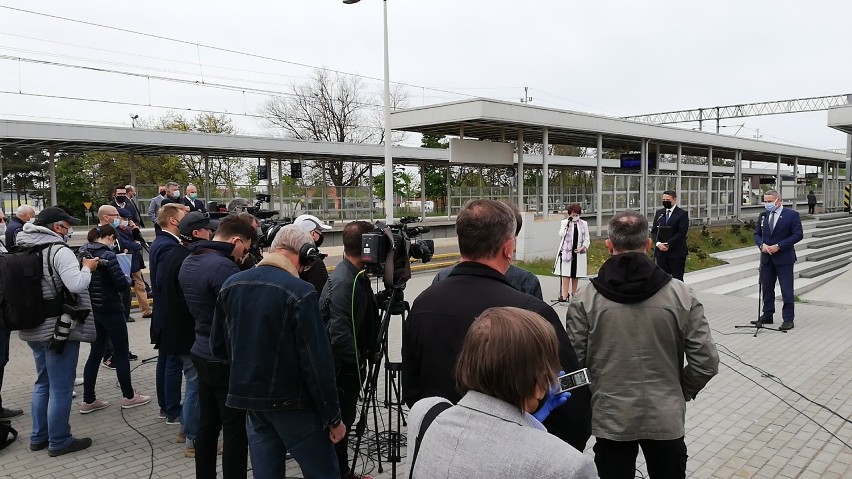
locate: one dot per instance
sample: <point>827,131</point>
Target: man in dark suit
<point>433,333</point>
<point>671,224</point>
<point>777,232</point>
<point>133,206</point>
<point>191,199</point>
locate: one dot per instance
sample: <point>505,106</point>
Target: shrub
<point>704,231</point>
<point>743,239</point>
<point>735,229</point>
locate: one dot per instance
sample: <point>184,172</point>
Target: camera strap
<point>430,416</point>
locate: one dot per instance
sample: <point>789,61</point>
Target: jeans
<point>348,387</point>
<point>189,415</point>
<point>213,379</point>
<point>301,433</point>
<point>112,327</point>
<point>5,336</point>
<point>51,405</point>
<point>169,368</point>
<point>617,459</point>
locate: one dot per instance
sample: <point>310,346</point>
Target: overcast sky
<point>613,57</point>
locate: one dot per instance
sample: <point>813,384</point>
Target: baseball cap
<point>52,214</point>
<point>125,213</point>
<point>196,220</point>
<point>310,223</point>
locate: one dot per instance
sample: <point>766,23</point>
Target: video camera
<point>102,263</point>
<point>387,250</point>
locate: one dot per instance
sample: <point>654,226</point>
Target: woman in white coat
<point>571,258</point>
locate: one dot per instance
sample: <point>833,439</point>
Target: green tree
<point>436,176</point>
<point>23,169</point>
<point>74,183</point>
<point>113,169</point>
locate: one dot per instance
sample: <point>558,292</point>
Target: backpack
<point>22,304</point>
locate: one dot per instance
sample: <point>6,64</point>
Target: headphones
<point>308,253</point>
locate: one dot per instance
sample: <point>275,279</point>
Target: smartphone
<point>574,380</point>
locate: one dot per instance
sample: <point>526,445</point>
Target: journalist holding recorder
<point>507,369</point>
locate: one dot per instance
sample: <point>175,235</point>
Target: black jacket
<point>679,223</point>
<point>106,282</point>
<point>433,334</point>
<point>15,225</point>
<point>178,327</point>
<point>337,302</point>
<point>317,275</point>
<point>201,276</point>
<point>194,205</point>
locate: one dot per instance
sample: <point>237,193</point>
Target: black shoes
<point>7,413</point>
<point>764,319</point>
<point>38,446</point>
<point>786,326</point>
<point>76,445</point>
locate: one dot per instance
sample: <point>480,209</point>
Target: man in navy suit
<point>671,224</point>
<point>191,199</point>
<point>777,232</point>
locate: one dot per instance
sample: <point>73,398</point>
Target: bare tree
<point>332,107</point>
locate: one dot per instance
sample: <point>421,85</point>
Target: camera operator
<point>105,292</point>
<point>352,320</point>
<point>56,366</point>
<point>254,254</point>
<point>315,273</point>
<point>209,264</point>
<point>286,379</point>
<point>440,317</point>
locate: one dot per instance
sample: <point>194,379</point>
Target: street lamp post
<point>388,152</point>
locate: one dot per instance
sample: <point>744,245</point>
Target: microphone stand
<point>561,299</point>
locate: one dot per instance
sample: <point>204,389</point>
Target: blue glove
<point>553,400</point>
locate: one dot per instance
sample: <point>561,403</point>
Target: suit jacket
<point>433,334</point>
<point>194,205</point>
<point>134,213</point>
<point>787,232</point>
<point>679,223</point>
<point>484,437</point>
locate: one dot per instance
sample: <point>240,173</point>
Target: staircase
<point>823,254</point>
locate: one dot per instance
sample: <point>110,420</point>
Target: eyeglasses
<point>66,227</point>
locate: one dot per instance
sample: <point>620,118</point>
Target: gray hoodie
<point>67,271</point>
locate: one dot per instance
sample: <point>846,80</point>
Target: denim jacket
<point>267,324</point>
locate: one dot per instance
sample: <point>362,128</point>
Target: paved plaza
<point>746,423</point>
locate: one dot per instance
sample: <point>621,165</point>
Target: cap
<point>310,223</point>
<point>196,220</point>
<point>52,214</point>
<point>125,213</point>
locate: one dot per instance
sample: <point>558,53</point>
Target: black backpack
<point>22,304</point>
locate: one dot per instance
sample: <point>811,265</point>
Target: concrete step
<point>827,253</point>
<point>830,241</point>
<point>832,216</point>
<point>708,278</point>
<point>826,232</point>
<point>835,264</point>
<point>805,285</point>
<point>838,222</point>
<point>750,253</point>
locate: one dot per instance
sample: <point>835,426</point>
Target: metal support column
<point>643,183</point>
<point>545,174</point>
<point>657,163</point>
<point>52,172</point>
<point>709,184</point>
<point>795,182</point>
<point>132,169</point>
<point>372,194</point>
<point>280,190</point>
<point>520,179</point>
<point>449,210</point>
<point>207,194</point>
<point>778,175</point>
<point>422,192</point>
<point>679,169</point>
<point>825,201</point>
<point>738,182</point>
<point>323,185</point>
<point>599,185</point>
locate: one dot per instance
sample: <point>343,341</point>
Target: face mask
<point>193,196</point>
<point>120,199</point>
<point>770,207</point>
<point>162,192</point>
<point>575,218</point>
<point>68,235</point>
<point>125,224</point>
<point>667,204</point>
<point>116,223</point>
<point>318,242</point>
<point>176,194</point>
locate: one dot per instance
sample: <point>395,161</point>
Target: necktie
<point>772,222</point>
<point>668,213</point>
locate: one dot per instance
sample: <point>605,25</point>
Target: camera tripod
<point>390,440</point>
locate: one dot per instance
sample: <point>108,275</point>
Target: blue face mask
<point>116,222</point>
<point>770,207</point>
<point>176,194</point>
